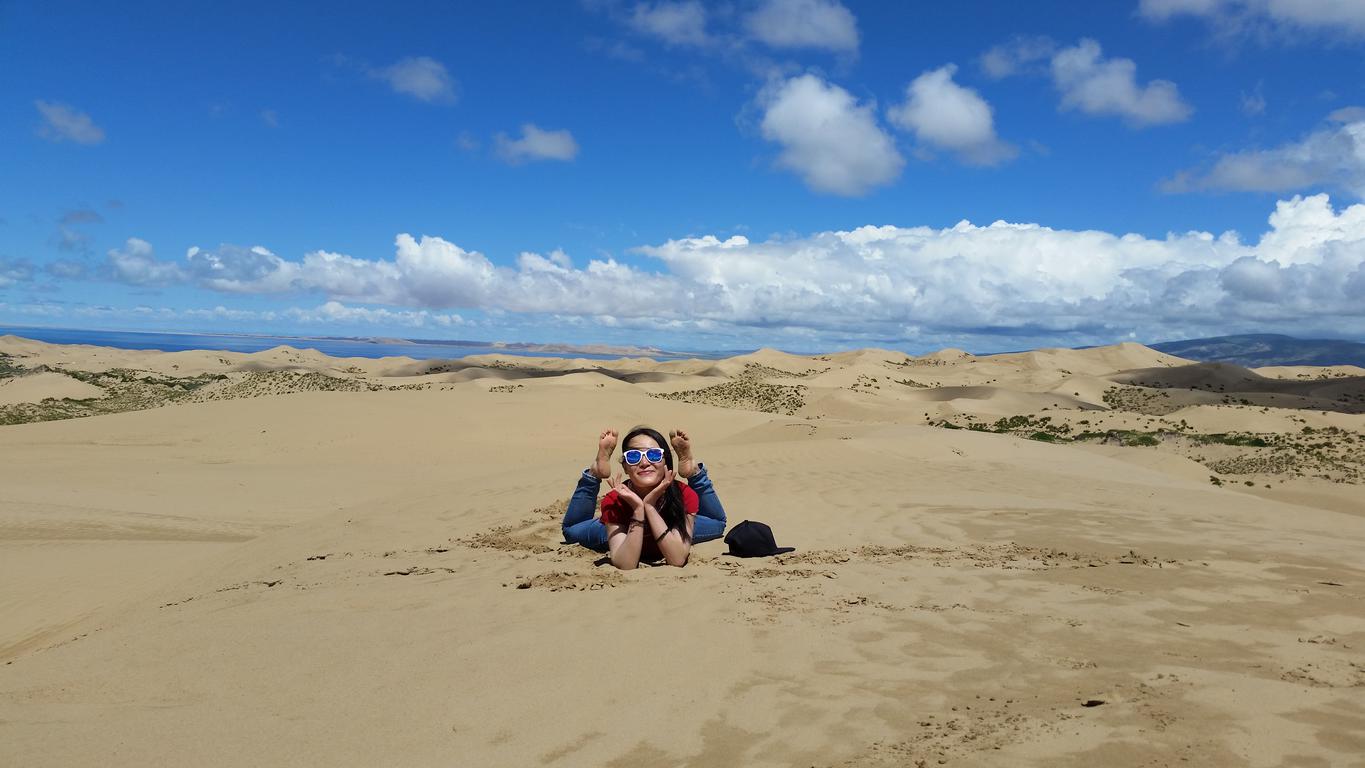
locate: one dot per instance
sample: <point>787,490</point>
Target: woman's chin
<point>645,484</point>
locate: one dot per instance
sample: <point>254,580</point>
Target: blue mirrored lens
<point>633,456</point>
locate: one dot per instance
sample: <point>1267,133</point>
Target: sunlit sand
<point>1059,557</point>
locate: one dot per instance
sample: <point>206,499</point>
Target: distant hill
<point>1254,350</point>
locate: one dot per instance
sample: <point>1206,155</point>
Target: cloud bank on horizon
<point>634,156</point>
<point>874,282</point>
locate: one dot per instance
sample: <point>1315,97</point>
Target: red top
<point>616,511</point>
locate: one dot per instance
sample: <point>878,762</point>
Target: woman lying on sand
<point>648,515</point>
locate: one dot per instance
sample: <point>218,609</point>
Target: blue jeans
<point>580,527</point>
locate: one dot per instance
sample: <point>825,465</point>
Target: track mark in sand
<point>560,753</point>
<point>505,541</point>
<point>561,581</point>
<point>938,739</point>
<point>413,570</point>
<point>537,537</point>
<point>230,588</point>
<point>975,727</point>
<point>1065,662</point>
<point>35,643</point>
<point>536,534</point>
<point>1004,556</point>
<point>1319,640</point>
<point>787,573</point>
<point>326,555</point>
<point>807,582</point>
<point>846,609</point>
<point>1328,673</point>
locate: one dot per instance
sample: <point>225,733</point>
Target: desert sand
<point>1054,558</point>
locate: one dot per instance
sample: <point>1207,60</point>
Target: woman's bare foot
<point>606,444</point>
<point>682,449</point>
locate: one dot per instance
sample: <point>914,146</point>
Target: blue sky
<point>807,174</point>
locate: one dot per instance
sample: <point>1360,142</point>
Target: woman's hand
<point>658,490</point>
<point>601,466</point>
<point>623,492</point>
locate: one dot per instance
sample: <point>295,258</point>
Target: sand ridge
<point>315,561</point>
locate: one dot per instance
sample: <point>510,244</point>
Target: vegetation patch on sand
<point>132,390</point>
<point>1141,400</point>
<point>1325,453</point>
<point>865,382</point>
<point>745,392</point>
<point>125,390</point>
<point>760,371</point>
<point>262,383</point>
<point>932,362</point>
<point>8,367</point>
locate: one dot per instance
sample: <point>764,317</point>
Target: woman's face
<point>645,475</point>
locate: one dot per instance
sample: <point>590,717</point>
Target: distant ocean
<point>177,342</point>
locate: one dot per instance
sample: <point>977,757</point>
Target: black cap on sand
<point>753,539</point>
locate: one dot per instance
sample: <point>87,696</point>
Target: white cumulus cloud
<point>136,263</point>
<point>420,77</point>
<point>536,144</point>
<point>1331,16</point>
<point>14,271</point>
<point>949,116</point>
<point>824,24</point>
<point>834,143</point>
<point>1332,156</point>
<point>233,268</point>
<point>679,23</point>
<point>1095,85</point>
<point>968,282</point>
<point>1162,9</point>
<point>1018,56</point>
<point>1309,268</point>
<point>62,122</point>
<point>334,312</point>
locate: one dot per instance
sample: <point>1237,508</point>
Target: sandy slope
<point>35,387</point>
<point>375,577</point>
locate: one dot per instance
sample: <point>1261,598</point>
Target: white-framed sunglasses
<point>652,455</point>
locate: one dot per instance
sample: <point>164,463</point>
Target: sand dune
<point>950,355</point>
<point>36,387</point>
<point>1087,389</point>
<point>1025,559</point>
<point>1094,361</point>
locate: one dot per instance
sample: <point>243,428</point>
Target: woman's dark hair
<point>671,503</point>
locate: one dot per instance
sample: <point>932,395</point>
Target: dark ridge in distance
<point>1256,350</point>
